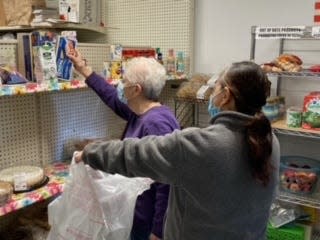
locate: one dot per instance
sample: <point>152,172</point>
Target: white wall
<point>222,28</point>
<point>222,36</point>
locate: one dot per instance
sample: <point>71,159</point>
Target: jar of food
<point>311,111</point>
<point>271,109</point>
<point>294,117</point>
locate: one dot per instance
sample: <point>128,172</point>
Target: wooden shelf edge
<point>281,124</point>
<point>76,26</point>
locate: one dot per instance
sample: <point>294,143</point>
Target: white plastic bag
<point>95,205</point>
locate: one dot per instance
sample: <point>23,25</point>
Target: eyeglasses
<point>130,86</point>
<point>127,84</point>
<point>222,82</point>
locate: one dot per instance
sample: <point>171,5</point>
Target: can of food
<point>311,111</point>
<point>294,117</point>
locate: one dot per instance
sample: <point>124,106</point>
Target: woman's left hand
<point>78,157</point>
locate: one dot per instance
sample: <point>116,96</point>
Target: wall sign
<point>294,32</point>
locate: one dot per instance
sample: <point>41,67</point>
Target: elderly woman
<point>136,100</point>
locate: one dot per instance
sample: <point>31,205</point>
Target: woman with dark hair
<point>222,178</point>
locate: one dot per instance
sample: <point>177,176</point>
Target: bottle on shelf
<point>180,63</point>
<point>171,62</point>
<point>159,56</point>
<point>271,109</point>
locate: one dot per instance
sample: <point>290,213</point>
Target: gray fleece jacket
<point>213,195</point>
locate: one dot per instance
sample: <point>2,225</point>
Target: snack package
<point>67,42</point>
<point>45,65</point>
<point>192,89</point>
<point>113,71</point>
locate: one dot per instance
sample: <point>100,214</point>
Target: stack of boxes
<point>114,67</point>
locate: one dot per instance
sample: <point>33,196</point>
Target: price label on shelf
<point>280,32</point>
<point>20,182</point>
<point>316,32</point>
<point>202,91</point>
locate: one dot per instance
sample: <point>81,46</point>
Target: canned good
<point>294,117</point>
<point>271,109</point>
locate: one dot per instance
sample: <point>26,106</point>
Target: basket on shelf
<point>299,175</point>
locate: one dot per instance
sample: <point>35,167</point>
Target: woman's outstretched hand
<point>79,63</point>
<point>78,157</point>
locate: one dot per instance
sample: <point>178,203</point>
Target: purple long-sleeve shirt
<point>151,205</point>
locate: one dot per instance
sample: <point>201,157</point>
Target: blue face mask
<point>120,92</point>
<point>212,108</point>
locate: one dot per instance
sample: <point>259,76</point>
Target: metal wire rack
<point>304,73</point>
<point>305,200</point>
<point>316,235</point>
<point>188,111</point>
<point>280,127</point>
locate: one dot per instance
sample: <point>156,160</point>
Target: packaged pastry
<point>315,68</point>
<point>190,88</point>
<point>289,63</point>
<point>270,67</point>
<point>22,177</point>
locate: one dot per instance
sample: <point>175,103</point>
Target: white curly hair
<point>148,73</point>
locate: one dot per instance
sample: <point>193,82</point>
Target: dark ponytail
<point>250,87</point>
<point>259,138</point>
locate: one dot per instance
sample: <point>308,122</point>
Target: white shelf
<point>74,26</point>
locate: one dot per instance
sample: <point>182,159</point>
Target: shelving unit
<point>37,123</point>
<point>86,33</point>
<point>59,26</point>
<point>303,43</point>
<point>311,200</point>
<point>187,111</point>
<point>282,128</point>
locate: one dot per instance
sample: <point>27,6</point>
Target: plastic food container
<point>299,174</point>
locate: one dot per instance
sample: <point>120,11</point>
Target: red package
<point>315,68</point>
